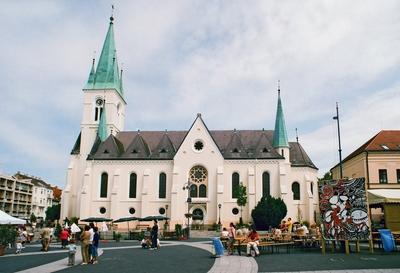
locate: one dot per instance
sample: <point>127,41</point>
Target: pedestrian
<point>64,238</point>
<point>91,231</point>
<point>45,239</point>
<point>85,236</point>
<point>95,245</point>
<point>18,246</point>
<point>71,252</point>
<point>231,237</point>
<point>253,239</point>
<point>154,236</point>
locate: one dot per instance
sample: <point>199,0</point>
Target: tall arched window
<point>193,191</point>
<point>296,190</point>
<point>312,188</point>
<point>235,185</point>
<point>103,185</point>
<point>162,186</point>
<point>202,191</point>
<point>266,185</point>
<point>132,185</point>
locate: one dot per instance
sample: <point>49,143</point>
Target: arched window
<point>235,185</point>
<point>296,190</point>
<point>132,185</point>
<point>202,190</point>
<point>266,185</point>
<point>312,188</point>
<point>103,185</point>
<point>193,191</point>
<point>162,186</point>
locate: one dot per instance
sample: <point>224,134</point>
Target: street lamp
<point>186,186</point>
<point>340,147</point>
<point>219,214</point>
<point>166,215</point>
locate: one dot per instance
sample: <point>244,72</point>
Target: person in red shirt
<point>64,238</point>
<point>253,239</point>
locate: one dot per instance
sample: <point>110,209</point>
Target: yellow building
<point>378,160</point>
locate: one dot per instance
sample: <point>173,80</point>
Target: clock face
<point>99,102</point>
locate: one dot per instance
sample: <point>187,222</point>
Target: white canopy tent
<point>6,219</point>
<point>380,196</point>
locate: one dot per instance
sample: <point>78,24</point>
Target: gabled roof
<point>251,144</point>
<point>77,146</point>
<point>110,148</point>
<point>384,141</point>
<point>137,149</point>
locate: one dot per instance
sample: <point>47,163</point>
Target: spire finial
<point>279,87</point>
<point>297,136</point>
<point>112,14</point>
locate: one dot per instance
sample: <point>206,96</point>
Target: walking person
<point>64,234</point>
<point>91,232</point>
<point>85,237</point>
<point>154,236</point>
<point>231,237</point>
<point>45,239</point>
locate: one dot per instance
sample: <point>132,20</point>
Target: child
<point>19,247</point>
<point>95,245</point>
<point>143,243</point>
<point>71,252</point>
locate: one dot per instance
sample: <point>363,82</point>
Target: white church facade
<point>115,173</point>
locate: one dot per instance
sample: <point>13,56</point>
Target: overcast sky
<point>219,58</point>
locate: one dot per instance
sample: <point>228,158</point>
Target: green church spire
<point>102,131</point>
<point>280,135</point>
<point>107,74</point>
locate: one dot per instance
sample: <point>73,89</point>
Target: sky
<point>219,58</point>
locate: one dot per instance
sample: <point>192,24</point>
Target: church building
<point>115,173</point>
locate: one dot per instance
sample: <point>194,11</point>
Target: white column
<point>145,193</point>
<point>85,196</point>
<point>114,196</point>
<point>251,192</point>
<point>175,212</point>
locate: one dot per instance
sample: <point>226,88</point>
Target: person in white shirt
<point>91,232</point>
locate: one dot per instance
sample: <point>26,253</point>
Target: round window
<point>161,211</point>
<point>103,210</point>
<point>235,211</point>
<point>198,145</point>
<point>132,211</point>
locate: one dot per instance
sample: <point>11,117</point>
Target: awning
<point>6,219</point>
<point>379,196</point>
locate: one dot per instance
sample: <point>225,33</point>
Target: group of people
<point>89,244</point>
<point>151,240</point>
<point>252,239</point>
<point>288,226</point>
<point>21,240</point>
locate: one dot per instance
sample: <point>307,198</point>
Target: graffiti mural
<point>344,209</point>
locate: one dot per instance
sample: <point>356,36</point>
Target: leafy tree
<point>327,176</point>
<point>269,212</point>
<point>8,233</point>
<point>32,218</point>
<point>241,200</point>
<point>53,213</point>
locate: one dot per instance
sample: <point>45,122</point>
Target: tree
<point>269,212</point>
<point>241,200</point>
<point>327,176</point>
<point>32,219</point>
<point>53,213</point>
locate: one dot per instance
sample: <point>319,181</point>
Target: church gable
<point>110,148</point>
<point>137,149</point>
<point>264,148</point>
<point>165,148</point>
<point>235,148</point>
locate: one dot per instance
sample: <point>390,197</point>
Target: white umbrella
<point>75,228</point>
<point>104,227</point>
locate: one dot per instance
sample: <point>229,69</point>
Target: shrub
<point>178,230</point>
<point>269,212</point>
<point>8,233</point>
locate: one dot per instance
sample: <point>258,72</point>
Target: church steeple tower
<point>106,75</point>
<point>280,140</point>
<point>102,131</point>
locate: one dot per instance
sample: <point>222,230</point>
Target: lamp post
<point>186,186</point>
<point>340,147</point>
<point>166,215</point>
<point>219,214</point>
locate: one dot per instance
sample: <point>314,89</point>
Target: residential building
<point>16,196</point>
<point>115,173</point>
<point>42,195</point>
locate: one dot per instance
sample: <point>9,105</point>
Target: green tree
<point>53,213</point>
<point>327,176</point>
<point>32,219</point>
<point>269,212</point>
<point>241,200</point>
<point>8,233</point>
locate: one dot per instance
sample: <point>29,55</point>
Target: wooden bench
<point>266,242</point>
<point>142,226</point>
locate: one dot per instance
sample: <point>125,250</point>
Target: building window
<point>193,191</point>
<point>103,210</point>
<point>103,185</point>
<point>162,186</point>
<point>312,188</point>
<point>398,175</point>
<point>132,185</point>
<point>198,145</point>
<point>265,184</point>
<point>202,191</point>
<point>132,210</point>
<point>383,176</point>
<point>235,185</point>
<point>296,190</point>
<point>161,211</point>
<point>235,211</point>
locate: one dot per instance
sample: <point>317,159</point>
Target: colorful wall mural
<point>344,209</point>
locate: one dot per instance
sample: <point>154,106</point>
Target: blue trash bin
<point>387,240</point>
<point>219,248</point>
